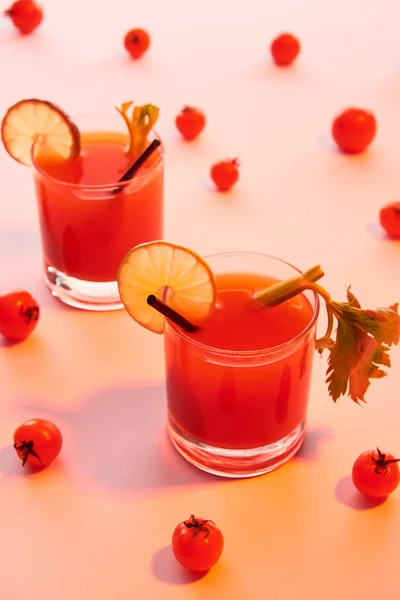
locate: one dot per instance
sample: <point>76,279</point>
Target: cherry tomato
<point>225,174</point>
<point>190,122</point>
<point>284,49</point>
<point>197,544</point>
<point>19,314</point>
<point>37,442</point>
<point>26,15</point>
<point>389,217</point>
<point>136,42</point>
<point>376,474</point>
<point>354,129</point>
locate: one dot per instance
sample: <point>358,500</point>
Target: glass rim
<point>98,186</point>
<point>262,351</point>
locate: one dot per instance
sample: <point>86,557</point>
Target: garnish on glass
<point>32,120</point>
<point>139,126</point>
<point>362,342</point>
<point>160,281</point>
<point>140,123</point>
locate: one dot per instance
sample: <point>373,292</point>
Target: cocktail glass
<point>236,412</point>
<point>88,221</point>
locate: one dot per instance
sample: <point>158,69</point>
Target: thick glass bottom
<point>87,295</point>
<point>236,463</point>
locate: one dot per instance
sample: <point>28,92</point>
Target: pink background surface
<point>98,522</point>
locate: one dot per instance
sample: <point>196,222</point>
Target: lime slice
<point>174,274</point>
<point>32,119</point>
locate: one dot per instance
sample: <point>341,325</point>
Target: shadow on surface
<point>310,449</point>
<point>10,464</point>
<point>120,441</point>
<point>378,233</point>
<point>326,142</point>
<point>9,35</point>
<point>22,266</point>
<point>17,244</point>
<point>346,494</point>
<point>263,69</point>
<point>6,343</point>
<point>166,568</point>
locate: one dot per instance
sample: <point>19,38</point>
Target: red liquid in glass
<point>241,404</point>
<point>86,233</point>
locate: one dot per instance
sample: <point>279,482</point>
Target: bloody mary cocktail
<point>238,388</point>
<point>86,230</point>
<point>239,336</point>
<point>99,188</point>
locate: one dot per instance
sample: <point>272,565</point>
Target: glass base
<point>236,463</point>
<point>83,294</point>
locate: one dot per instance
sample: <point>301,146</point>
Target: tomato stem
<point>198,525</point>
<point>381,463</point>
<point>26,449</point>
<point>31,313</point>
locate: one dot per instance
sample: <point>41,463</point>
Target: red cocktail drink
<point>238,388</point>
<point>89,222</point>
